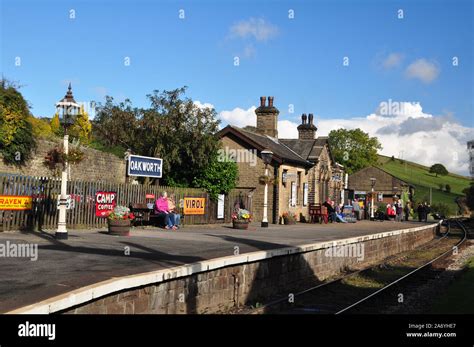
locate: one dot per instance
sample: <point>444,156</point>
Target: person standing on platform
<point>356,208</point>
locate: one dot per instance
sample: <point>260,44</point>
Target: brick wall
<point>219,290</point>
<point>96,166</point>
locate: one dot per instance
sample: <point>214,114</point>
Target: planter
<point>288,221</point>
<point>240,224</point>
<point>120,227</point>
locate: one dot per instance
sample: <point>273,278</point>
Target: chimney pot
<point>310,118</point>
<point>262,101</point>
<point>270,101</point>
<point>303,118</point>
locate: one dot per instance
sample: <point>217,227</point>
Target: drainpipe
<point>275,197</point>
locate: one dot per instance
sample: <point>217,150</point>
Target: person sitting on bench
<point>161,208</point>
<point>173,213</point>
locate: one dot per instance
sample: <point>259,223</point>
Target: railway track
<point>374,289</point>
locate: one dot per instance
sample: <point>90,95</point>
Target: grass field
<point>422,180</point>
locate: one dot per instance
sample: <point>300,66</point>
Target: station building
<point>303,170</point>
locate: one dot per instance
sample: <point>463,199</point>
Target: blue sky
<point>298,60</point>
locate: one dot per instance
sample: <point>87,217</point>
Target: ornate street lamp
<point>267,159</point>
<point>372,182</point>
<point>67,109</point>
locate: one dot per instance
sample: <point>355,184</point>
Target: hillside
<point>418,176</point>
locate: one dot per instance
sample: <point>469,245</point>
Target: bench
<point>144,214</point>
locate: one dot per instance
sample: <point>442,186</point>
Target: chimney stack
<point>307,130</point>
<point>267,118</point>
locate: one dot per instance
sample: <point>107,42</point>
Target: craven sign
<point>15,202</point>
<point>105,203</point>
<point>144,166</point>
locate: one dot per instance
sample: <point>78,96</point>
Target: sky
<point>400,70</point>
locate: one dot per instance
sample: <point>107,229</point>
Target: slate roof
<point>308,149</point>
<point>282,152</point>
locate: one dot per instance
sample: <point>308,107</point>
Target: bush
<point>448,188</point>
<point>440,186</point>
<point>441,208</point>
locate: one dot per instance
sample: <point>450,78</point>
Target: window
<point>305,194</point>
<point>293,194</point>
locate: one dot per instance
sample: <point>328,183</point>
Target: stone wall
<point>226,288</point>
<point>96,166</point>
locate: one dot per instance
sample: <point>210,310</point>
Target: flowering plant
<point>121,212</point>
<point>242,214</point>
<point>289,216</point>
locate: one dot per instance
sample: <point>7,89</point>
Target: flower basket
<point>240,224</point>
<point>289,218</point>
<point>120,227</point>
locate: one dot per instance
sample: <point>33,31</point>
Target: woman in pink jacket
<point>161,207</point>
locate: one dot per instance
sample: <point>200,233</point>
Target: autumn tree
<point>55,124</point>
<point>82,127</point>
<point>16,132</point>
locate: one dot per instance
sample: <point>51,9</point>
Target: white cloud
<point>287,129</point>
<point>256,28</point>
<point>423,70</point>
<point>203,105</point>
<point>392,60</point>
<point>239,117</point>
<point>422,137</point>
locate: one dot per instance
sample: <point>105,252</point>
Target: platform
<point>92,256</point>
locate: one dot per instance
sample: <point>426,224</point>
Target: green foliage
<point>442,209</point>
<point>438,169</point>
<point>441,186</point>
<point>55,124</point>
<point>469,192</point>
<point>116,150</point>
<point>82,127</point>
<point>219,177</point>
<point>354,149</point>
<point>447,188</point>
<point>16,132</point>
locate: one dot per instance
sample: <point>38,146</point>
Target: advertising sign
<point>16,202</point>
<point>194,206</point>
<point>105,203</point>
<point>144,166</point>
<point>149,196</point>
<point>220,206</point>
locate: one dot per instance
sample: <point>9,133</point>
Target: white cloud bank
<point>400,127</point>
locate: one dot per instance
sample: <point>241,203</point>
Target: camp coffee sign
<point>144,166</point>
<point>105,203</point>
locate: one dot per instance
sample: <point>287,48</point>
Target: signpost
<point>194,206</point>
<point>144,166</point>
<point>105,203</point>
<point>16,202</point>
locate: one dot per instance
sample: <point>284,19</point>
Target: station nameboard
<point>16,202</point>
<point>105,203</point>
<point>144,166</point>
<point>194,206</point>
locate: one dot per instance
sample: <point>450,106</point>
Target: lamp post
<point>267,159</point>
<point>67,108</point>
<point>372,182</point>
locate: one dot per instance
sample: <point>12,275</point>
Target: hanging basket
<point>119,227</point>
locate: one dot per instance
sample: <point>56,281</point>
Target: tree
<point>219,177</point>
<point>16,133</point>
<point>438,169</point>
<point>354,149</point>
<point>82,127</point>
<point>55,124</point>
<point>448,188</point>
<point>41,128</point>
<point>469,192</point>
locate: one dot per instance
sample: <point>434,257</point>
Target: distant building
<point>470,148</point>
<point>304,168</point>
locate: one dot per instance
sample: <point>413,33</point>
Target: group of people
<point>334,211</point>
<point>396,211</point>
<point>166,207</point>
<point>423,211</point>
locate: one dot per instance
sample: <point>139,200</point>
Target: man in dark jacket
<point>420,210</point>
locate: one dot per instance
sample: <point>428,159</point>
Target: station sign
<point>105,203</point>
<point>69,202</point>
<point>144,166</point>
<point>194,206</point>
<point>16,202</point>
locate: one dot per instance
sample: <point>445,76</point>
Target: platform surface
<point>91,256</point>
